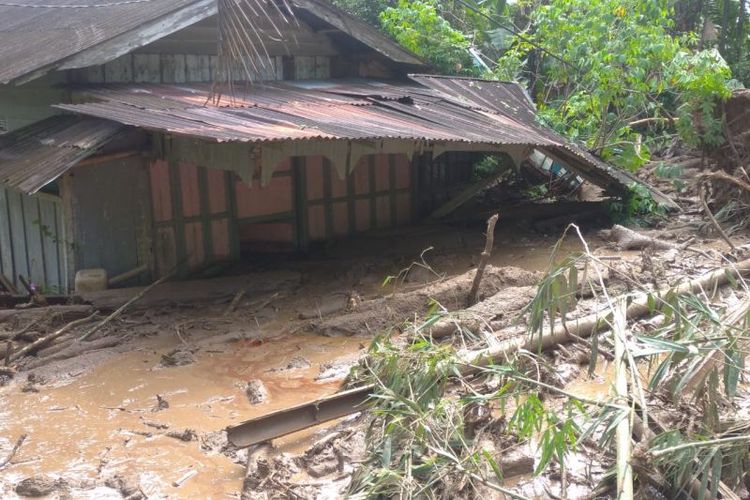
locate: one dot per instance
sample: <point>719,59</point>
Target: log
<point>116,280</point>
<point>382,313</point>
<point>466,195</point>
<point>483,315</point>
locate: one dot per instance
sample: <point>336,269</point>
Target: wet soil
<point>142,414</point>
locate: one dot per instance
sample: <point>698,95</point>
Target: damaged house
<point>136,138</point>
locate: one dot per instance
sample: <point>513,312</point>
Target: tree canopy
<point>620,76</point>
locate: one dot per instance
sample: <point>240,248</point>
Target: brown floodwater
<point>96,420</point>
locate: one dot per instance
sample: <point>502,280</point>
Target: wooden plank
<point>50,238</point>
<point>392,189</point>
<point>34,247</point>
<point>327,196</point>
<point>371,168</point>
<point>173,68</point>
<point>6,247</point>
<point>63,247</point>
<point>144,34</point>
<point>322,67</point>
<point>300,208</point>
<point>17,235</point>
<point>120,70</point>
<point>304,67</point>
<point>198,68</point>
<point>146,68</point>
<point>179,223</point>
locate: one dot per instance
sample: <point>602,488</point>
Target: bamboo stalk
<point>623,431</point>
<point>49,338</point>
<point>122,308</point>
<point>591,324</point>
<point>699,444</point>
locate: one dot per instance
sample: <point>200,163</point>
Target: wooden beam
<point>93,160</point>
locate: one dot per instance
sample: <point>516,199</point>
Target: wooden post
<point>472,298</point>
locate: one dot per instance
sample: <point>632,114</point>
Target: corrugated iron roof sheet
<point>37,36</point>
<point>37,33</point>
<point>509,99</point>
<point>495,113</point>
<point>286,111</point>
<point>38,154</point>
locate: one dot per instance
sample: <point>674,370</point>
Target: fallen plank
<point>288,420</point>
<point>466,195</point>
<point>194,291</point>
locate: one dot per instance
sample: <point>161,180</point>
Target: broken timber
<point>297,418</point>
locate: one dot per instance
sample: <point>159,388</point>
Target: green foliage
<point>704,78</point>
<point>638,206</point>
<point>418,26</point>
<point>615,62</point>
<point>367,10</point>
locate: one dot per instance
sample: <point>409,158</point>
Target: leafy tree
<point>616,65</point>
<point>367,10</point>
<point>418,26</point>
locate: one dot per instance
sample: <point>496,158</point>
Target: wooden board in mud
<point>195,291</point>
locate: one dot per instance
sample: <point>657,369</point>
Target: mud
<point>145,404</point>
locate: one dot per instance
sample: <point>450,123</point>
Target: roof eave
<point>125,42</point>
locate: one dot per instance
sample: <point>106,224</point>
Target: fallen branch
<point>37,344</point>
<point>472,298</point>
<point>713,220</point>
<point>71,350</point>
<point>123,307</point>
<point>723,176</point>
<point>13,452</point>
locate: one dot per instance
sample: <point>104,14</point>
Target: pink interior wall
<point>264,217</point>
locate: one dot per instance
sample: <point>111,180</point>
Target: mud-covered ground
<point>144,418</point>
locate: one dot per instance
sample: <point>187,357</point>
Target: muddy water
<point>95,423</point>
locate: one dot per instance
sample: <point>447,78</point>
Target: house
<point>141,135</point>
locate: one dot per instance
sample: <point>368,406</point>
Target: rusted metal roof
<point>38,154</point>
<point>510,100</point>
<point>290,111</point>
<point>38,36</point>
<point>41,34</point>
<point>359,110</point>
